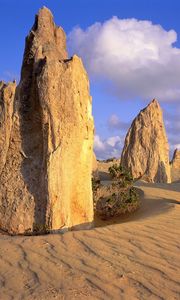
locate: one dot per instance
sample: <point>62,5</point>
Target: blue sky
<point>124,74</point>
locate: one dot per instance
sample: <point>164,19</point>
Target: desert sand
<point>134,257</point>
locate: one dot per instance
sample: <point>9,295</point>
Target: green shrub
<point>117,198</point>
<point>121,175</point>
<point>126,201</point>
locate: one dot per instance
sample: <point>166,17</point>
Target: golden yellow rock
<point>95,173</point>
<point>146,149</point>
<point>46,181</point>
<point>7,94</point>
<point>175,166</point>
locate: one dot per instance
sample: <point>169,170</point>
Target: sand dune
<point>137,257</point>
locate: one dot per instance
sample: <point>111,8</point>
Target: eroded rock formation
<point>7,94</point>
<point>175,166</point>
<point>95,173</point>
<point>46,167</point>
<point>146,150</point>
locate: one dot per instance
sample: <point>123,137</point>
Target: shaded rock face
<point>46,178</point>
<point>175,166</point>
<point>95,173</point>
<point>146,150</point>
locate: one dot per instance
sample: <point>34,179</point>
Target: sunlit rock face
<point>47,163</point>
<point>7,94</point>
<point>175,166</point>
<point>146,149</point>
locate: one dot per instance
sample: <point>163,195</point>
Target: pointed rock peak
<point>154,102</point>
<point>45,39</point>
<point>153,105</point>
<point>44,8</point>
<point>45,12</point>
<point>146,149</point>
<point>44,19</point>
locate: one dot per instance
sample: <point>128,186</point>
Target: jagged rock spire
<point>46,180</point>
<point>146,149</point>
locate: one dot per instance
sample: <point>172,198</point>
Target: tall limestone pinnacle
<point>146,149</point>
<point>175,166</point>
<point>46,171</point>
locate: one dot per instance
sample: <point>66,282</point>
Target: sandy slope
<point>138,258</point>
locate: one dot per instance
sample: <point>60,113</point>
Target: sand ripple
<point>137,257</point>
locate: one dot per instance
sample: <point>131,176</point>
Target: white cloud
<point>115,123</point>
<point>107,148</point>
<point>114,120</point>
<point>136,57</point>
<point>98,144</point>
<point>113,140</point>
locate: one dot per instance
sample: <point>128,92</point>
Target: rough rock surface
<point>7,94</point>
<point>95,173</point>
<point>146,150</point>
<point>175,166</point>
<point>46,178</point>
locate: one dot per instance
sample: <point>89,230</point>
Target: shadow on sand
<point>149,207</point>
<point>104,175</point>
<point>174,186</point>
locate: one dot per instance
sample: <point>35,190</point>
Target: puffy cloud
<point>115,123</point>
<point>112,141</point>
<point>107,148</point>
<point>137,58</point>
<point>98,144</point>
